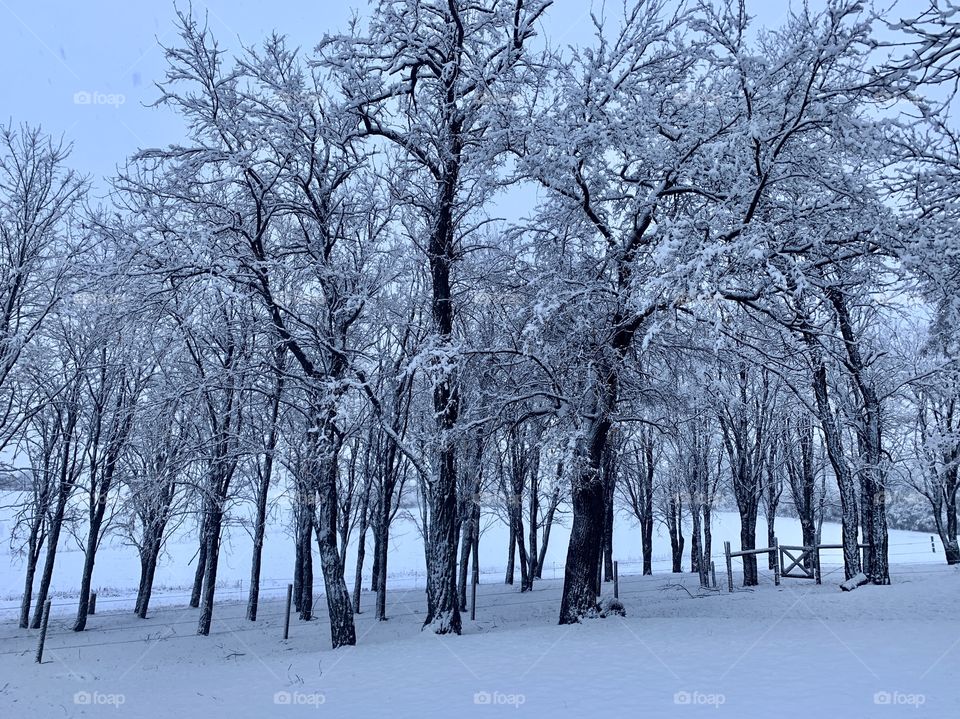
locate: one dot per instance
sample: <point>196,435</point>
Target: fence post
<point>92,608</point>
<point>616,580</point>
<point>286,621</point>
<point>776,561</point>
<point>933,545</point>
<point>816,562</point>
<point>726,551</point>
<point>43,630</point>
<point>713,574</point>
<point>473,598</point>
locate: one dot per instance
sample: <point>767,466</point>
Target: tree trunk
<point>259,530</point>
<point>148,569</point>
<point>511,554</point>
<point>34,544</point>
<point>533,518</point>
<point>466,544</point>
<point>342,631</point>
<point>609,486</point>
<point>707,536</point>
<point>266,476</point>
<point>381,566</point>
<point>748,541</point>
<point>375,569</point>
<point>361,547</point>
<point>53,538</point>
<point>213,527</point>
<point>305,553</point>
<point>443,613</point>
<point>695,539</point>
<point>675,529</point>
<point>951,547</point>
<point>201,562</point>
<point>547,525</point>
<point>583,555</point>
<point>587,492</point>
<point>86,578</point>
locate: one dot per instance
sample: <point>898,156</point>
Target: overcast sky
<point>87,69</point>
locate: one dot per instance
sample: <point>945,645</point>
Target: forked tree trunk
<point>53,539</point>
<point>213,527</point>
<point>547,525</point>
<point>201,569</point>
<point>832,439</point>
<point>870,438</point>
<point>34,547</point>
<point>149,557</point>
<point>342,631</point>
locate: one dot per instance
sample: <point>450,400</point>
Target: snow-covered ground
<point>784,651</point>
<point>778,652</point>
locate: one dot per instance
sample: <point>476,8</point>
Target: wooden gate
<point>794,561</point>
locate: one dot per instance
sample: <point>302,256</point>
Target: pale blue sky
<point>109,49</point>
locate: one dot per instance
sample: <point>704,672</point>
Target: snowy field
<point>771,651</point>
<point>117,570</point>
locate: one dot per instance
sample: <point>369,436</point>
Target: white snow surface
<point>797,650</point>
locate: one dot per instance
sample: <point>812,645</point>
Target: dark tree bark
<point>265,477</point>
<point>609,487</point>
<point>772,491</point>
<point>44,476</point>
<point>638,489</point>
<point>834,445</point>
<point>342,632</point>
<point>675,530</point>
<point>547,525</point>
<point>744,423</point>
<point>582,567</point>
<point>511,555</point>
<point>361,544</point>
<point>870,439</point>
<point>201,559</point>
<point>67,479</point>
<point>107,446</point>
<point>149,556</point>
<point>303,575</point>
<point>443,614</point>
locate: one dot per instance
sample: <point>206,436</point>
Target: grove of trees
<point>436,266</point>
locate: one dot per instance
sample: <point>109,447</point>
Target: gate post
<point>726,551</point>
<point>776,562</point>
